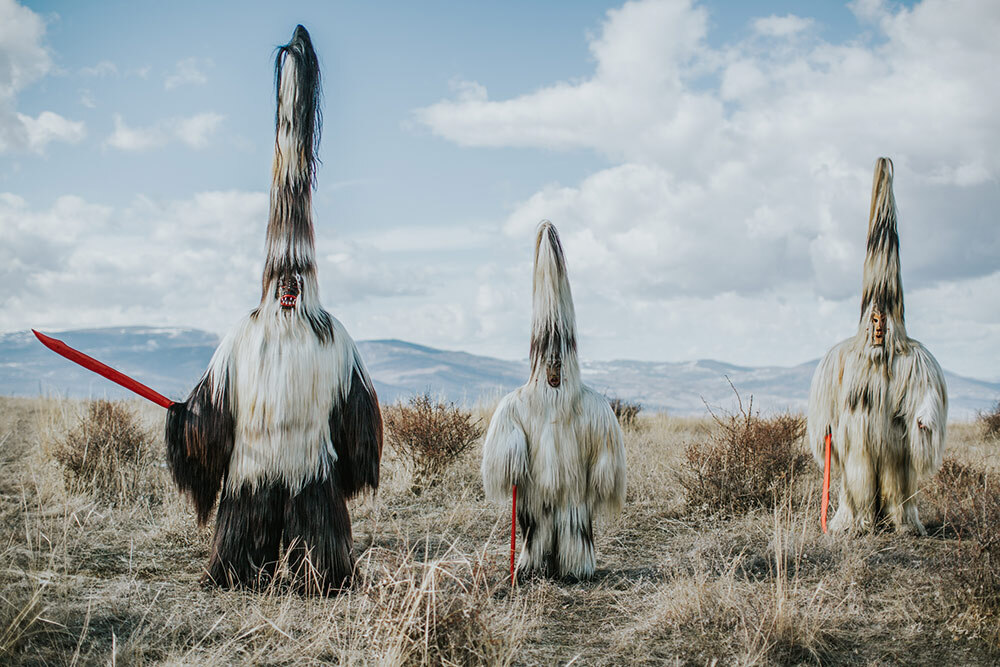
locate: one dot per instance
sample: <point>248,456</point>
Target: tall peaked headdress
<point>553,320</point>
<point>298,123</point>
<point>882,285</point>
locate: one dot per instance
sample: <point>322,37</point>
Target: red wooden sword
<point>104,370</point>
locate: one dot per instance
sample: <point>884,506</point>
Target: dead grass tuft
<point>20,610</point>
<point>990,421</point>
<point>429,435</point>
<point>748,462</point>
<point>109,454</point>
<point>436,612</point>
<point>970,502</point>
<point>627,412</point>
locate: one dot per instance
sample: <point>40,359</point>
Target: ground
<point>90,579</point>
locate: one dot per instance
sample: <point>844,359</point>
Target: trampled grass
<point>87,577</point>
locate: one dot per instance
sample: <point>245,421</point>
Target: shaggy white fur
<point>285,382</point>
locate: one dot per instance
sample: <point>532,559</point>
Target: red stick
<point>825,504</point>
<point>513,532</point>
<point>92,364</point>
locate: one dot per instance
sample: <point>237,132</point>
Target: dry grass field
<point>100,564</point>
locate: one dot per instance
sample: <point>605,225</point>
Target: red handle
<point>825,505</point>
<point>513,532</point>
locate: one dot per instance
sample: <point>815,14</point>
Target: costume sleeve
<point>356,429</point>
<point>924,408</point>
<point>606,446</point>
<point>505,452</point>
<point>199,437</point>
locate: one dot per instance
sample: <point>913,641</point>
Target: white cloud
<point>186,262</point>
<point>640,57</point>
<point>157,257</point>
<point>23,60</point>
<point>101,69</point>
<point>187,71</point>
<point>194,131</point>
<point>781,26</point>
<point>135,138</point>
<point>740,175</point>
<point>49,126</point>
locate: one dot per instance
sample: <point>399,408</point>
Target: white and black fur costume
<point>285,420</point>
<point>880,394</point>
<point>555,438</point>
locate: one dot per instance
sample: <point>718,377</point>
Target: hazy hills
<point>172,360</point>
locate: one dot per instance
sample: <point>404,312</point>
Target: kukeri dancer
<point>555,438</point>
<point>880,393</point>
<point>284,427</point>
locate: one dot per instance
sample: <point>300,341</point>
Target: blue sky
<point>707,163</point>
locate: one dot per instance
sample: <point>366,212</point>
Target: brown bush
<point>429,435</point>
<point>627,412</point>
<point>748,462</point>
<point>969,500</point>
<point>953,488</point>
<point>990,421</point>
<point>108,454</point>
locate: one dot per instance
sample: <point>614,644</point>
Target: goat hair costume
<point>285,421</point>
<point>555,438</point>
<point>880,394</point>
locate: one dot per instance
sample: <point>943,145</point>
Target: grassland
<point>88,577</point>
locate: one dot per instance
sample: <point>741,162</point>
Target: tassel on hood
<point>553,320</point>
<point>291,252</point>
<point>882,320</point>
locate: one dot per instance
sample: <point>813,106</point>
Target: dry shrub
<point>108,454</point>
<point>705,618</point>
<point>429,435</point>
<point>953,489</point>
<point>990,421</point>
<point>443,611</point>
<point>970,500</point>
<point>748,462</point>
<point>627,412</point>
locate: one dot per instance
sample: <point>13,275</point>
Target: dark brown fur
<point>252,524</point>
<point>199,437</point>
<point>356,429</point>
<point>247,540</point>
<point>318,538</point>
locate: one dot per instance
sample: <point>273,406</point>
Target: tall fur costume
<point>285,421</point>
<point>880,394</point>
<point>555,438</point>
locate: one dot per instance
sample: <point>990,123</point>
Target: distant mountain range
<point>172,360</point>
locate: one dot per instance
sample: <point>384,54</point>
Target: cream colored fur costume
<point>555,438</point>
<point>881,394</point>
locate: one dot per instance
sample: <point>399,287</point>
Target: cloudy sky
<point>708,165</point>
